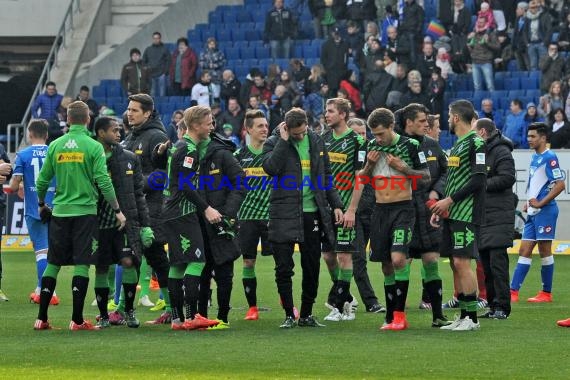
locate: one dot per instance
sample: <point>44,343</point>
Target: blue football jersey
<point>544,171</point>
<point>29,162</point>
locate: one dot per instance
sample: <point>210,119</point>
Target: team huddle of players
<point>436,208</point>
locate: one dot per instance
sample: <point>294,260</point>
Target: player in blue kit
<point>29,162</point>
<point>545,183</point>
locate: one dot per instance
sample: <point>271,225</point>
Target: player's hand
<point>283,131</point>
<point>441,208</point>
<point>162,148</point>
<point>373,157</point>
<point>212,215</point>
<point>21,191</point>
<point>396,163</point>
<point>147,236</point>
<point>525,207</point>
<point>349,219</point>
<point>3,179</point>
<point>338,216</point>
<point>121,219</point>
<point>434,220</point>
<point>5,169</point>
<point>45,213</point>
<point>533,202</point>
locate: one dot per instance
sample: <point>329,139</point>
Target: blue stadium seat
<point>311,51</point>
<point>247,53</point>
<point>252,35</point>
<point>194,35</point>
<point>249,63</point>
<point>512,84</point>
<point>241,72</point>
<point>264,64</point>
<point>519,74</point>
<point>297,50</point>
<point>500,83</point>
<point>535,74</point>
<point>238,34</point>
<point>464,94</point>
<point>241,44</point>
<point>223,34</point>
<point>232,53</point>
<point>312,61</point>
<point>262,52</point>
<point>215,18</point>
<point>512,65</point>
<point>534,93</point>
<point>244,16</point>
<point>283,63</point>
<point>505,102</point>
<point>229,17</point>
<point>259,25</point>
<point>529,83</point>
<point>99,91</point>
<point>115,91</point>
<point>513,94</point>
<point>502,74</point>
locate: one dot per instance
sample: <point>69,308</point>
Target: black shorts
<point>424,243</point>
<point>185,241</point>
<point>344,240</point>
<point>113,246</point>
<point>73,240</point>
<point>250,232</point>
<point>459,239</point>
<point>391,230</point>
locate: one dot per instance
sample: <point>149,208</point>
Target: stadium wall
<point>42,18</point>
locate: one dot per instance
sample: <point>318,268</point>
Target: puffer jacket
<point>281,160</point>
<point>498,228</point>
<point>142,141</point>
<point>127,178</point>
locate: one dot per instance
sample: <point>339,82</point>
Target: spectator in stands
<point>260,87</point>
<point>350,85</point>
<point>559,130</point>
<point>171,129</point>
<point>390,19</point>
<point>411,26</point>
<point>91,103</point>
<point>483,45</point>
<point>514,127</point>
<point>317,9</point>
<point>442,61</point>
<point>135,75</point>
<point>234,116</point>
<point>213,60</point>
<point>376,87</point>
<point>47,103</point>
<point>354,38</point>
<point>280,29</point>
<point>505,51</point>
<point>552,100</point>
<point>273,74</point>
<point>227,131</point>
<point>315,80</point>
<point>488,112</point>
<point>361,12</point>
<point>487,13</point>
<point>499,14</point>
<point>399,45</point>
<point>436,88</point>
<point>301,73</point>
<point>414,94</point>
<point>390,64</point>
<point>532,115</point>
<point>157,58</point>
<point>285,79</point>
<point>334,58</point>
<point>520,47</point>
<point>371,30</point>
<point>314,103</point>
<point>426,61</point>
<point>58,126</point>
<point>183,68</point>
<point>458,31</point>
<point>369,58</point>
<point>203,92</point>
<point>537,33</point>
<point>231,87</point>
<point>433,129</point>
<point>552,67</point>
<point>256,104</point>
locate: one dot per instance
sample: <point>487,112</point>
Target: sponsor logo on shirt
<point>453,161</point>
<point>64,158</point>
<point>337,158</point>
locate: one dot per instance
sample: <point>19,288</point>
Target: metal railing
<point>51,62</point>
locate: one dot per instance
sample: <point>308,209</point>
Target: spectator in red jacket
<point>349,84</point>
<point>183,67</point>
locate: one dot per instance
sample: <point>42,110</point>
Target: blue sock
<point>521,271</point>
<point>41,264</point>
<point>118,283</point>
<point>547,273</point>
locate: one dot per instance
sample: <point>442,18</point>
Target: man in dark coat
<point>498,227</point>
<point>301,198</point>
<point>334,58</point>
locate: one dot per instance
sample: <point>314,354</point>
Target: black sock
<point>47,290</point>
<point>332,293</point>
<point>342,293</point>
<point>224,294</point>
<point>461,299</point>
<point>287,303</point>
<point>401,295</point>
<point>250,288</point>
<point>79,286</point>
<point>176,298</point>
<point>435,291</point>
<point>102,297</point>
<point>390,293</point>
<point>130,292</point>
<point>425,293</point>
<point>471,314</point>
<point>191,294</point>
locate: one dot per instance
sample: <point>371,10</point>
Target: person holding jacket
<point>299,213</point>
<point>497,230</point>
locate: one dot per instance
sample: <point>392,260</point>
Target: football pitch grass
<point>527,345</point>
